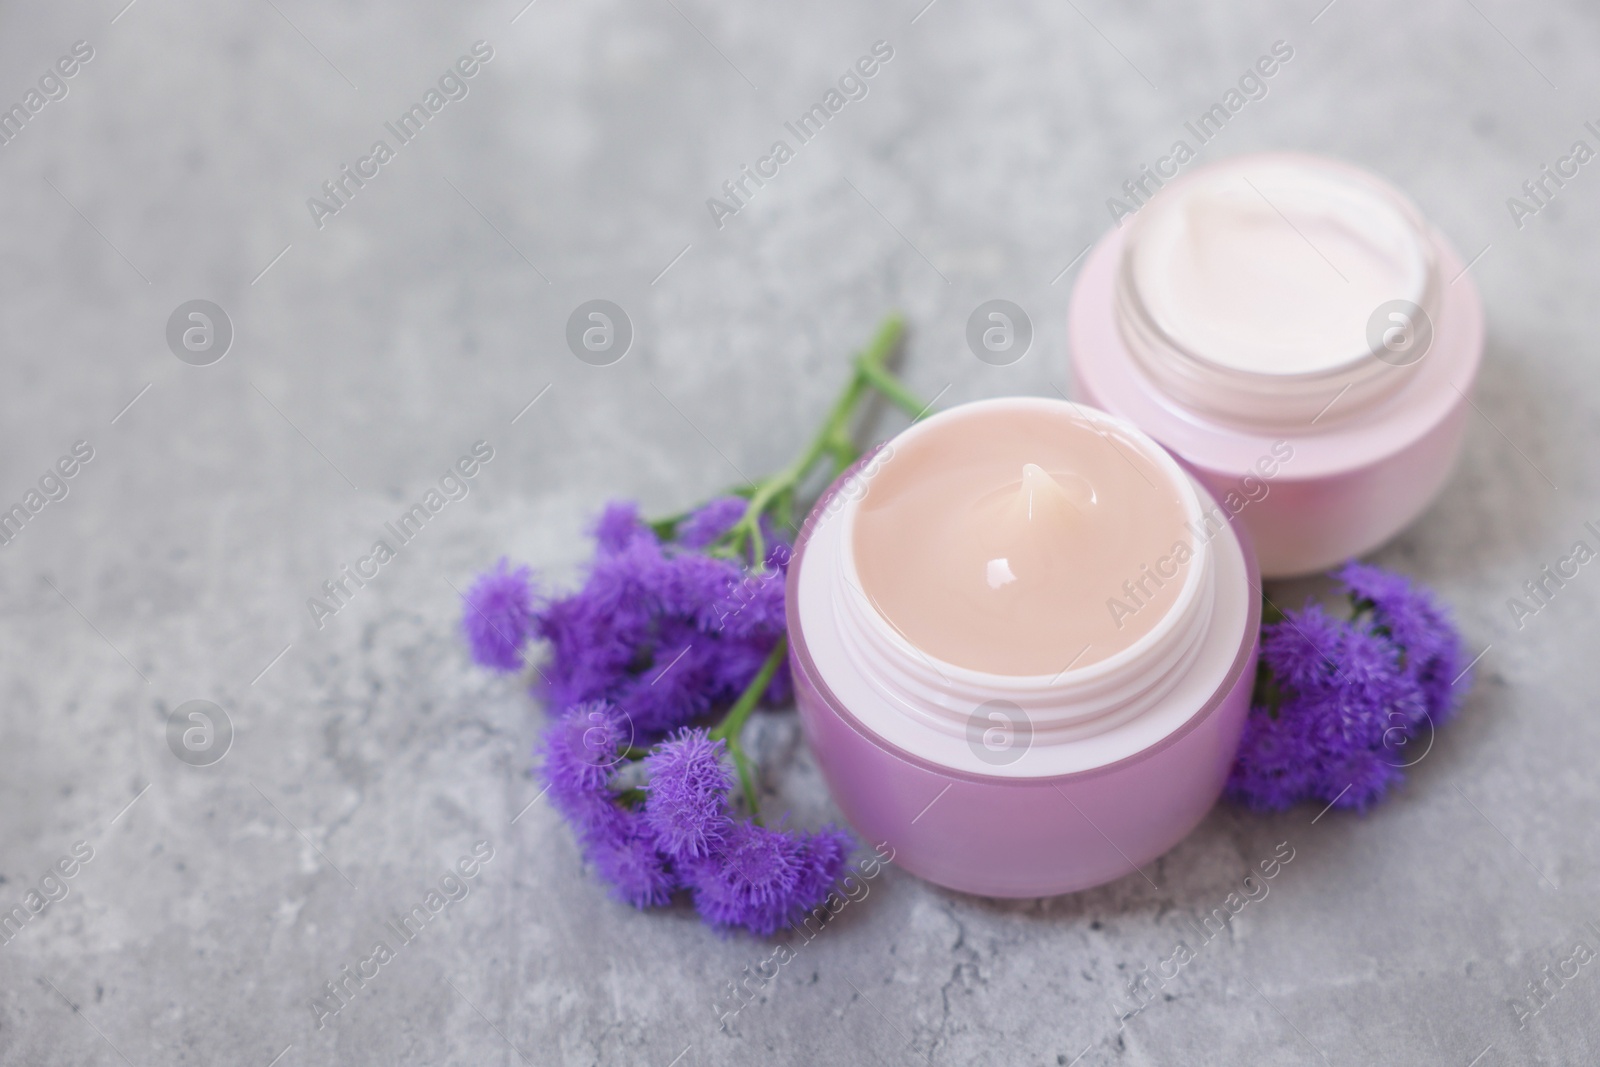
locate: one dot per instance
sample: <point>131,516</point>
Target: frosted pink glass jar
<point>1023,786</point>
<point>1298,336</point>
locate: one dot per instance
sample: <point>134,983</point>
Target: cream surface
<point>998,541</point>
<point>1273,265</point>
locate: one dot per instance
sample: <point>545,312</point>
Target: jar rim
<point>1077,699</point>
<point>1190,374</point>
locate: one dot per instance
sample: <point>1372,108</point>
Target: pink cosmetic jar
<point>1298,336</point>
<point>1061,544</point>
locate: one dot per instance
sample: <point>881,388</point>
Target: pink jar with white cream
<point>1298,336</point>
<point>1023,641</point>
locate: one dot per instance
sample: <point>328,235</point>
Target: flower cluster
<point>683,833</point>
<point>669,632</point>
<point>659,627</point>
<point>676,621</point>
<point>664,629</point>
<point>1339,700</point>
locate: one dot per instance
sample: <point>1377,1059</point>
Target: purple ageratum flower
<point>822,857</point>
<point>743,884</point>
<point>742,874</point>
<point>499,616</point>
<point>1367,694</point>
<point>1326,739</point>
<point>1275,764</point>
<point>580,751</point>
<point>669,633</point>
<point>1357,780</point>
<point>1351,695</point>
<point>662,629</point>
<point>624,853</point>
<point>618,526</point>
<point>763,879</point>
<point>686,805</point>
<point>1419,624</point>
<point>1301,649</point>
<point>711,521</point>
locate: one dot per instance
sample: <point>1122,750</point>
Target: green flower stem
<point>776,492</point>
<point>747,780</point>
<point>880,379</point>
<point>732,723</point>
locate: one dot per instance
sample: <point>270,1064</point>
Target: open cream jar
<point>1023,642</point>
<point>1298,336</point>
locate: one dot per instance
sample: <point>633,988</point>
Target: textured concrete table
<point>422,307</point>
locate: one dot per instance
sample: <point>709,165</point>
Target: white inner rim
<point>936,726</point>
<point>924,702</point>
<point>1199,305</point>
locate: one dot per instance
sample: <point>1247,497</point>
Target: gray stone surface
<point>430,310</point>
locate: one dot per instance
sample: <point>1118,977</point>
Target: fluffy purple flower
<point>625,855</point>
<point>660,634</point>
<point>1421,626</point>
<point>745,882</point>
<point>618,526</point>
<point>822,857</point>
<point>685,835</point>
<point>711,521</point>
<point>1275,764</point>
<point>686,805</point>
<point>1301,649</point>
<point>499,616</point>
<point>763,879</point>
<point>581,750</point>
<point>1357,779</point>
<point>1343,698</point>
<point>661,629</point>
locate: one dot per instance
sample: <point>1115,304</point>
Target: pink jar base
<point>1307,525</point>
<point>1023,837</point>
